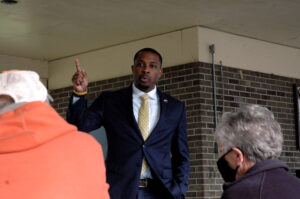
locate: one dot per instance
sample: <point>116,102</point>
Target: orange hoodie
<point>44,157</point>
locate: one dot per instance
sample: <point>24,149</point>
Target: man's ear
<point>160,72</point>
<point>238,156</point>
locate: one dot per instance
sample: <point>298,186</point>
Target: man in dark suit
<point>148,155</point>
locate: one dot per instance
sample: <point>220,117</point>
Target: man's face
<point>146,71</point>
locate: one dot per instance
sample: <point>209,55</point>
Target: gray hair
<point>5,100</point>
<point>252,129</point>
<point>7,103</point>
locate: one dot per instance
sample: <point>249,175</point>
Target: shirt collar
<point>137,92</point>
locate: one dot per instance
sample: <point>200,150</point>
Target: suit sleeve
<point>86,119</point>
<point>180,154</point>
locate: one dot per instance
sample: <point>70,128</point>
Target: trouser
<point>152,189</point>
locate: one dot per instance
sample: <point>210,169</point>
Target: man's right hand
<point>79,79</point>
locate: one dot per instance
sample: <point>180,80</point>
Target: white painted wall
<point>181,47</point>
<point>251,54</point>
<point>176,48</point>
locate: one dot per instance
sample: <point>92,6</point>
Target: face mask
<point>226,171</point>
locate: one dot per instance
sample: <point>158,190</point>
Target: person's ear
<point>160,72</point>
<point>238,156</point>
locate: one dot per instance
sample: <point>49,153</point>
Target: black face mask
<point>226,171</point>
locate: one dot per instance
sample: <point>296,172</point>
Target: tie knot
<point>144,97</point>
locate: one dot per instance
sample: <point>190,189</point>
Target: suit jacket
<point>268,179</point>
<point>166,149</point>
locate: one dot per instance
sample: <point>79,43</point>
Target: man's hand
<point>80,78</point>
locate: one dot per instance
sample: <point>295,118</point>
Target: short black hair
<point>147,50</point>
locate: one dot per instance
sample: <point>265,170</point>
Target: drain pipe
<point>222,79</point>
<point>212,51</point>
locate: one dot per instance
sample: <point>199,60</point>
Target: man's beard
<point>143,87</point>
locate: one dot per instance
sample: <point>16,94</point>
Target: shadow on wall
<point>100,136</point>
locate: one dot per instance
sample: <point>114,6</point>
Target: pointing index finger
<point>77,65</point>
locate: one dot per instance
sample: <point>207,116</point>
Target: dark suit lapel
<point>126,97</point>
<point>163,101</point>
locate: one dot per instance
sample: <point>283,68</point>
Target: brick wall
<point>192,84</point>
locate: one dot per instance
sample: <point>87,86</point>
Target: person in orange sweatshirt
<point>41,155</point>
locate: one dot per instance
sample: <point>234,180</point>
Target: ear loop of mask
<point>226,171</point>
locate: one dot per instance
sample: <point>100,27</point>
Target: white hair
<point>252,129</point>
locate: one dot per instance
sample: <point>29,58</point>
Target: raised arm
<point>79,79</point>
<point>78,114</point>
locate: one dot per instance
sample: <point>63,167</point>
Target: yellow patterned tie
<point>144,123</point>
